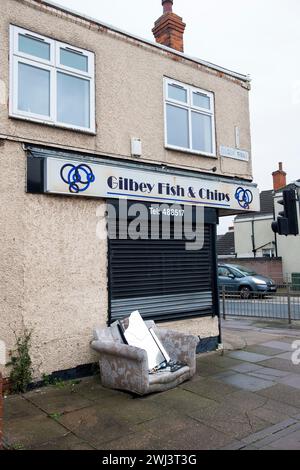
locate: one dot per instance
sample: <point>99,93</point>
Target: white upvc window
<point>189,118</point>
<point>51,82</point>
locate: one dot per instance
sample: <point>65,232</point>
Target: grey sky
<point>260,38</point>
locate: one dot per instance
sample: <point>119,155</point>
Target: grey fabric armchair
<point>125,367</point>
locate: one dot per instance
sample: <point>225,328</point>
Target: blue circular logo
<point>78,178</point>
<point>244,197</point>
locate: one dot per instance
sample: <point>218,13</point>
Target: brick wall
<point>1,411</point>
<point>270,267</point>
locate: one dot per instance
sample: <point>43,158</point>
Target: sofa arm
<point>180,346</point>
<point>120,350</point>
<point>122,367</point>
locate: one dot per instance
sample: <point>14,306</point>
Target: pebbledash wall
<point>54,268</point>
<point>1,410</point>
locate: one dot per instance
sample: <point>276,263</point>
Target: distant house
<point>225,245</point>
<point>253,233</point>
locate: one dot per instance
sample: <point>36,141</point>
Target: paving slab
<point>285,355</point>
<point>281,345</point>
<point>267,373</point>
<point>58,400</point>
<point>248,356</point>
<point>209,388</point>
<point>265,350</point>
<point>179,399</point>
<point>183,433</point>
<point>276,406</point>
<point>284,334</point>
<point>247,382</point>
<point>272,416</point>
<point>271,372</point>
<point>135,441</point>
<point>233,342</point>
<point>95,425</point>
<point>291,380</point>
<point>223,361</point>
<point>291,339</point>
<point>134,411</point>
<point>245,367</point>
<point>206,369</point>
<point>243,401</point>
<point>68,442</point>
<point>253,337</point>
<point>222,375</point>
<point>31,432</point>
<point>236,424</point>
<point>91,389</point>
<point>281,364</point>
<point>282,393</point>
<point>16,406</point>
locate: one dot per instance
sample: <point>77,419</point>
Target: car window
<point>246,271</point>
<point>224,272</point>
<point>237,273</point>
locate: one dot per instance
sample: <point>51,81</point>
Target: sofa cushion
<point>167,377</point>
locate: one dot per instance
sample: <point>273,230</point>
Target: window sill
<point>191,152</point>
<point>65,127</point>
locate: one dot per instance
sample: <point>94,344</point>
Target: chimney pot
<point>167,4</point>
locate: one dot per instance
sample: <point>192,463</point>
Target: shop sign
<point>75,178</point>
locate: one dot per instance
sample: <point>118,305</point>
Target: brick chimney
<point>169,28</point>
<point>279,178</point>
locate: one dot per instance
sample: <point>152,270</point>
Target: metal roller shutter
<point>160,278</point>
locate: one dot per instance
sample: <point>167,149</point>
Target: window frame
<point>26,114</point>
<point>54,67</point>
<point>69,48</point>
<point>190,107</point>
<point>14,46</point>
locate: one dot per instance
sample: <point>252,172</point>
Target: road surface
<point>270,307</point>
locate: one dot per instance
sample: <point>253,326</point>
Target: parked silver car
<point>244,281</point>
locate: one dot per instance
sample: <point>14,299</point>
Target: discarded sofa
<point>125,367</point>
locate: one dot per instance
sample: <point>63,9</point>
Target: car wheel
<point>245,292</point>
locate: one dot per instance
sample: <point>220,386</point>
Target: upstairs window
<point>51,82</point>
<point>189,119</point>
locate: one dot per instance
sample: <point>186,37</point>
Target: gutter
<point>242,77</point>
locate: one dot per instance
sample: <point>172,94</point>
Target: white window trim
<point>89,55</point>
<point>15,31</point>
<point>191,108</point>
<point>47,119</point>
<point>54,67</point>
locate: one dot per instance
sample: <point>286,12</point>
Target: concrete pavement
<point>247,397</point>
